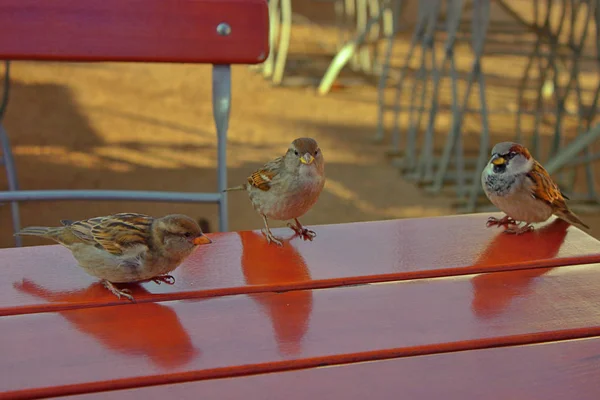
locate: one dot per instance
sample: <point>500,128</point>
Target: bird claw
<point>168,279</point>
<point>271,238</point>
<point>506,221</point>
<point>308,234</point>
<point>305,233</point>
<point>518,231</point>
<point>122,292</point>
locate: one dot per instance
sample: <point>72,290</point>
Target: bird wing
<point>114,233</point>
<point>544,188</point>
<point>263,177</point>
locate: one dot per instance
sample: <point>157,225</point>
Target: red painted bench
<point>218,32</point>
<point>425,307</point>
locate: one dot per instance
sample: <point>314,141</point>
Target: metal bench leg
<point>7,159</point>
<point>13,185</point>
<point>221,107</point>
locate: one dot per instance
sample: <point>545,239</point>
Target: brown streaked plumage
<point>520,186</point>
<point>288,186</point>
<point>545,189</point>
<point>127,247</point>
<point>261,179</point>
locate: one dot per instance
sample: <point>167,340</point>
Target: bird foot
<point>517,231</point>
<point>506,221</point>
<point>168,279</point>
<point>305,233</point>
<point>271,238</point>
<point>122,292</point>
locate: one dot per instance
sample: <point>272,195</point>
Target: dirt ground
<point>150,127</point>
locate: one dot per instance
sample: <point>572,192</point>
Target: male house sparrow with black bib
<point>127,247</point>
<point>520,187</point>
<point>287,187</point>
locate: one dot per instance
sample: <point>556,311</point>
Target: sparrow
<point>287,187</point>
<point>520,187</point>
<point>127,247</point>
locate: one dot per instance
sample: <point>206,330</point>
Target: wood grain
<point>78,351</point>
<point>135,30</point>
<point>47,278</point>
<point>550,371</point>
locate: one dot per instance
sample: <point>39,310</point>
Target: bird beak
<point>307,159</point>
<point>201,240</point>
<point>497,160</point>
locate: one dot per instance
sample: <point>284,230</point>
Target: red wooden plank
<point>135,30</point>
<point>550,371</point>
<point>47,277</point>
<point>78,351</point>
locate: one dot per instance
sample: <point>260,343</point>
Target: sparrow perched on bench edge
<point>127,247</point>
<point>520,187</point>
<point>288,186</point>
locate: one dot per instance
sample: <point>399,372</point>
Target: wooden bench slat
<point>47,277</point>
<point>135,30</point>
<point>550,371</point>
<point>78,351</point>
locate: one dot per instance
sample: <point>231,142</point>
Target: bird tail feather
<point>42,231</point>
<point>571,218</point>
<point>240,187</point>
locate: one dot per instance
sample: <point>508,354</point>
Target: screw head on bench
<point>223,29</point>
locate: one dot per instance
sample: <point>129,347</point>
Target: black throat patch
<point>499,184</point>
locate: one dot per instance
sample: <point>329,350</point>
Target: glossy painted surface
<point>241,307</point>
<point>77,351</point>
<point>550,371</point>
<point>47,277</point>
<point>135,30</point>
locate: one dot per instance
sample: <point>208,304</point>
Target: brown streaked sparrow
<point>127,247</point>
<point>287,187</point>
<point>520,187</point>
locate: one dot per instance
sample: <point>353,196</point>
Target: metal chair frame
<point>221,99</point>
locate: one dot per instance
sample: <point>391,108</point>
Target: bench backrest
<point>135,30</point>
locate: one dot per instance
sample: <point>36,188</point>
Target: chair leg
<point>13,184</point>
<point>284,41</point>
<point>221,97</point>
<point>343,56</point>
<point>274,26</point>
<point>390,33</point>
<point>417,36</point>
<point>479,27</point>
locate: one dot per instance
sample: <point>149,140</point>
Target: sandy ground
<point>150,127</point>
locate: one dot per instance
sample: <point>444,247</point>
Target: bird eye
<point>316,152</point>
<point>187,234</point>
<point>296,152</point>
